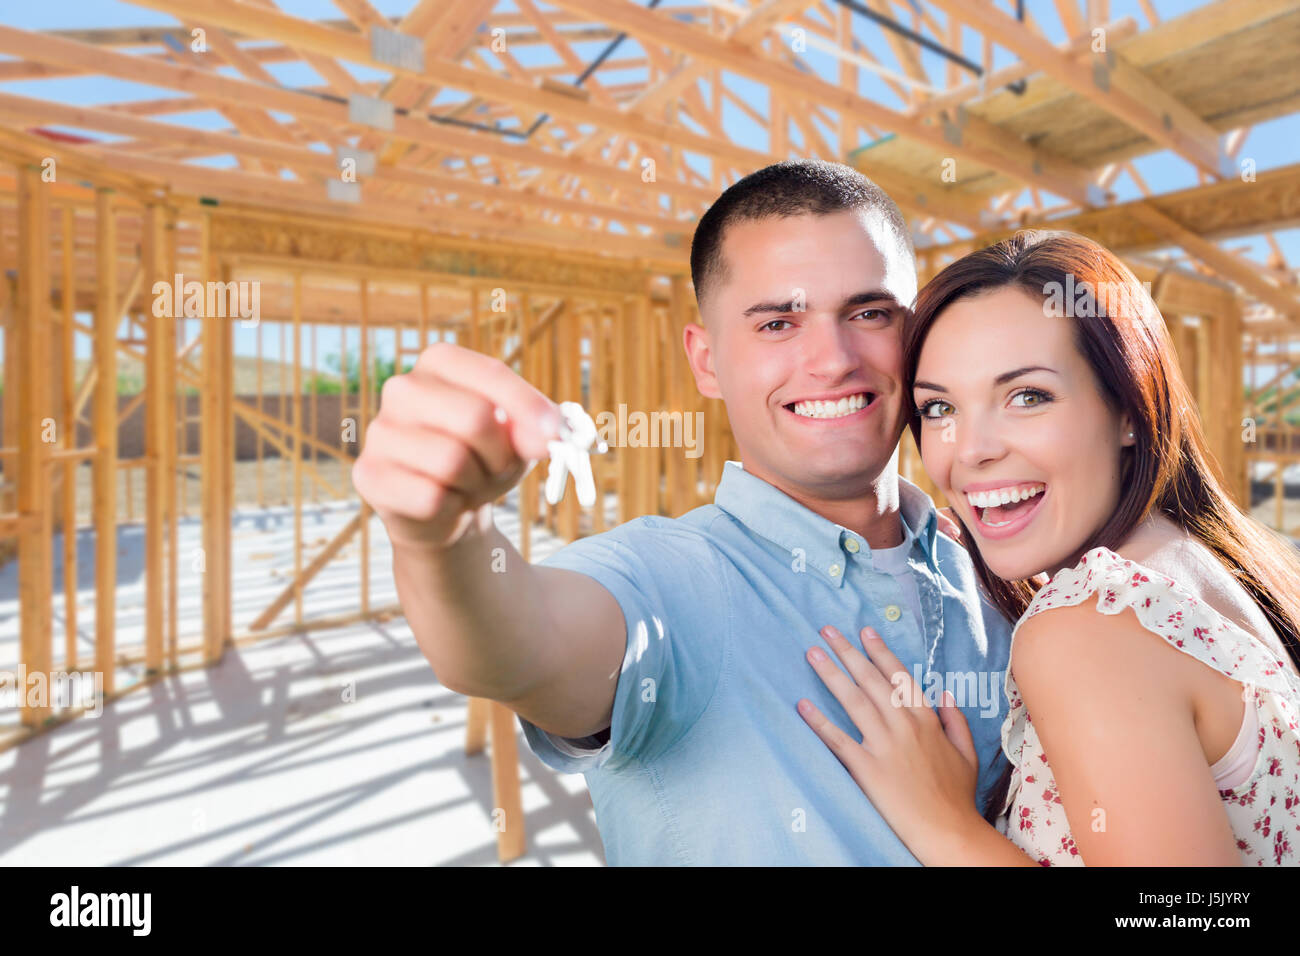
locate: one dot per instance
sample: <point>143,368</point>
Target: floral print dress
<point>1264,811</point>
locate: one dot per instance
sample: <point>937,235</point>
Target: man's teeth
<point>820,409</point>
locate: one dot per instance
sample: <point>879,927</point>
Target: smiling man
<point>664,658</point>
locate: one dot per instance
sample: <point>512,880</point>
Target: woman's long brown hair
<point>1120,332</point>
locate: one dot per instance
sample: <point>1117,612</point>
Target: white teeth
<point>1003,496</point>
<point>837,409</point>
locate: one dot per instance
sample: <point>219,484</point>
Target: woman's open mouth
<point>848,407</point>
<point>1004,512</point>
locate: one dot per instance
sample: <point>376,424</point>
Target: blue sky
<point>1270,144</point>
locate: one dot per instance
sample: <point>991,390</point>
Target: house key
<point>570,454</point>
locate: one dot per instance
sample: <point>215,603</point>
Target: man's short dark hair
<point>794,187</point>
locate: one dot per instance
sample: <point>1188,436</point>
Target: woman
<point>1156,651</point>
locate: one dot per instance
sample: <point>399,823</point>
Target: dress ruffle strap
<point>1163,607</point>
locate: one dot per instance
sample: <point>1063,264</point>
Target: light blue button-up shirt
<point>708,762</point>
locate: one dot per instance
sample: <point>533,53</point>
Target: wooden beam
<point>254,416</point>
<point>297,445</point>
<point>363,424</point>
<point>300,581</point>
<point>276,193</point>
<point>249,415</point>
<point>1220,210</point>
<point>68,417</point>
<point>762,16</point>
<point>1221,261</point>
<point>990,146</point>
<point>35,579</point>
<point>224,89</point>
<point>308,35</point>
<point>1078,46</point>
<point>169,364</point>
<point>303,159</point>
<point>153,264</point>
<point>1114,84</point>
<point>542,325</point>
<point>363,15</point>
<point>213,449</point>
<point>506,796</point>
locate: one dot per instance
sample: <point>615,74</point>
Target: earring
<point>1130,434</point>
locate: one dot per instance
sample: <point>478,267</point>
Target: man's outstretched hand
<point>456,432</point>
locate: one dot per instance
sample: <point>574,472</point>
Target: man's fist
<point>453,434</point>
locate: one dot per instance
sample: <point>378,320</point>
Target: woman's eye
<point>926,410</point>
<point>1034,397</point>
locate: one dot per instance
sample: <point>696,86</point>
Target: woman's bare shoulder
<point>1073,641</point>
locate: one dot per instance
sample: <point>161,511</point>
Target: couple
<point>678,663</point>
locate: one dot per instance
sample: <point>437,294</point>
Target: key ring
<point>571,453</point>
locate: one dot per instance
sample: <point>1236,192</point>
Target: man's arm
<point>547,642</point>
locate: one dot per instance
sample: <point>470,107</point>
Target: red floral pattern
<point>1264,811</point>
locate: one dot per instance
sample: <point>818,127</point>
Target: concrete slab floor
<point>329,747</point>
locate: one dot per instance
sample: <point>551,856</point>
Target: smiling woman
<point>1009,407</point>
<point>1064,439</point>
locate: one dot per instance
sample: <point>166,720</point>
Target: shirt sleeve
<point>666,581</point>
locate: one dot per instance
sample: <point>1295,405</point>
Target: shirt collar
<point>920,518</point>
<point>819,542</point>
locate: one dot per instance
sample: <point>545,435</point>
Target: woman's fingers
<point>861,668</point>
<point>946,520</point>
<point>849,752</point>
<point>902,690</point>
<point>856,704</point>
<point>957,729</point>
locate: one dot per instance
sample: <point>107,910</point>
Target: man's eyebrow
<point>759,308</point>
<point>857,298</point>
<point>1000,380</point>
<point>871,295</point>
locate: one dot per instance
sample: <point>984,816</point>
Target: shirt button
<point>893,612</point>
<point>834,570</point>
<point>851,545</point>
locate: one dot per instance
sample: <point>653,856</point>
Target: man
<point>663,659</point>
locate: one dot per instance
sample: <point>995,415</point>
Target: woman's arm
<point>1115,713</point>
<point>1107,703</point>
<point>918,767</point>
<point>977,844</point>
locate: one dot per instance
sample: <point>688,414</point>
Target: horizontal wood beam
<point>1221,210</point>
<point>1286,301</point>
<point>277,193</point>
<point>1114,84</point>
